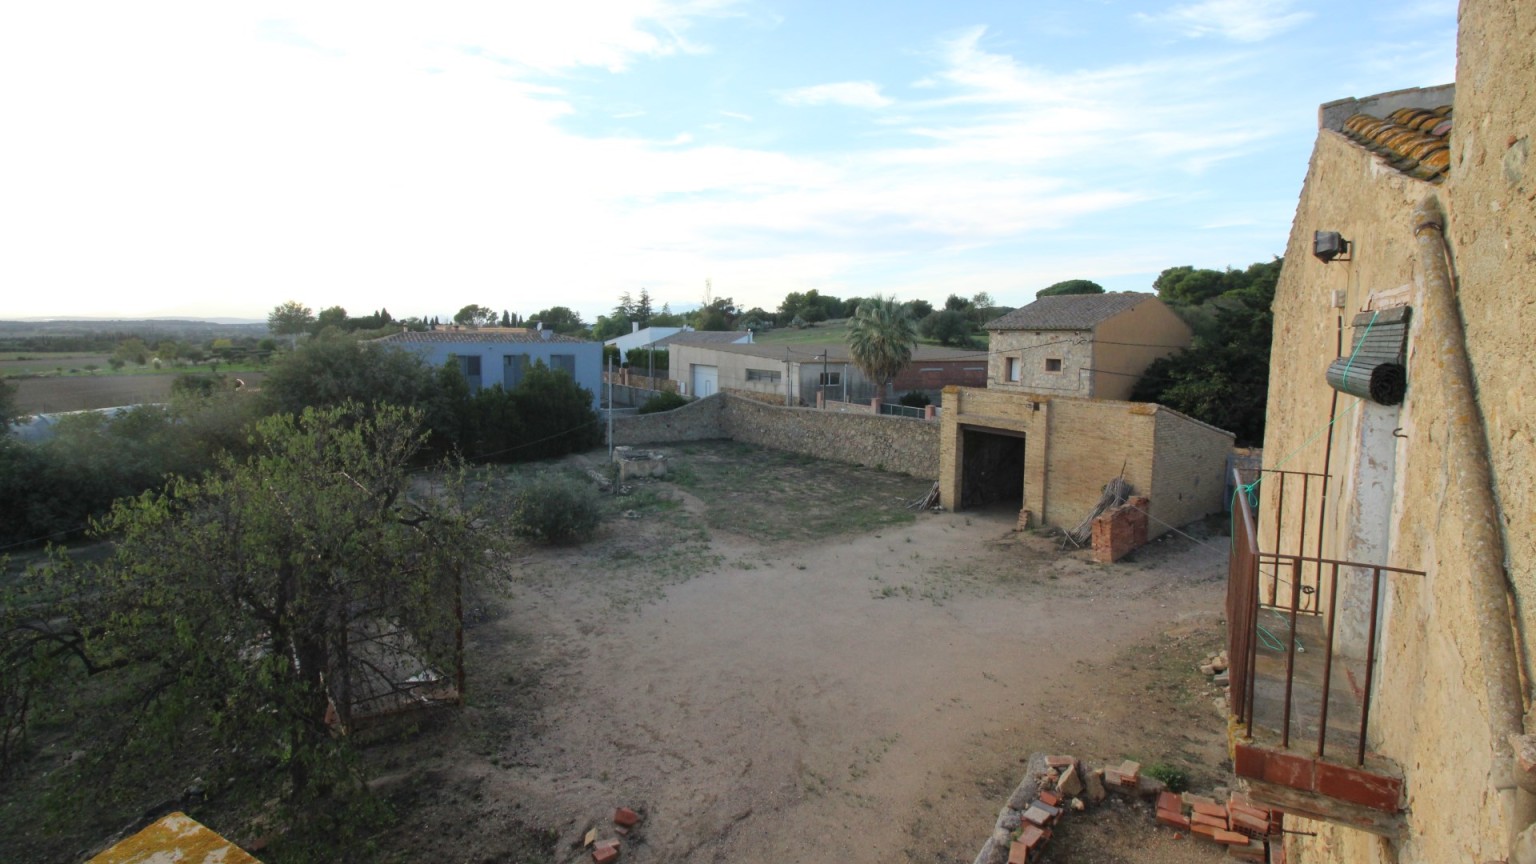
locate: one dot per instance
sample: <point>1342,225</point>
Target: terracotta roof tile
<point>1416,141</point>
<point>1069,311</point>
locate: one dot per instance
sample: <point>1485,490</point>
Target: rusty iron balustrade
<point>1247,563</point>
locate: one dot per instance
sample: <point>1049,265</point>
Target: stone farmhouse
<point>1382,592</point>
<point>1090,345</point>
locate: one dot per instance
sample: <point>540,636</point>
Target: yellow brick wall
<point>1073,447</point>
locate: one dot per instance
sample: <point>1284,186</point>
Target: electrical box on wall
<point>1336,301</point>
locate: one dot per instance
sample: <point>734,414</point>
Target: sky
<point>215,159</point>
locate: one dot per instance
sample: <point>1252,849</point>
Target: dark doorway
<point>991,469</point>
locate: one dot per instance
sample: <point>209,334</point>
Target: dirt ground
<point>773,662</point>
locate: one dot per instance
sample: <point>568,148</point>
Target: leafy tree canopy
<point>561,320</point>
<point>948,326</point>
<point>334,316</point>
<point>475,316</point>
<point>720,314</point>
<point>1223,378</point>
<point>1071,286</point>
<point>290,319</point>
<point>330,371</point>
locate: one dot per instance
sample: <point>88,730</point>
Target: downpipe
<point>1472,508</point>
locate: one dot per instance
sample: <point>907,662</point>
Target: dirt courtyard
<point>772,661</point>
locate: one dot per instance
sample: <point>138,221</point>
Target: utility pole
<point>610,414</point>
<point>823,378</point>
<point>789,380</point>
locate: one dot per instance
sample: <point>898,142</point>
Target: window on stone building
<point>1012,371</point>
<point>1053,364</point>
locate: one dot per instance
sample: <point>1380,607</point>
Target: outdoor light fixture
<point>1328,245</point>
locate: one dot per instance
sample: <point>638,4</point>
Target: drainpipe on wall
<point>1473,508</point>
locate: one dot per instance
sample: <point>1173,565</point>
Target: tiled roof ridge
<point>1069,311</point>
<point>1416,141</point>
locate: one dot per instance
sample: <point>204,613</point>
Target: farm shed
<point>1052,455</point>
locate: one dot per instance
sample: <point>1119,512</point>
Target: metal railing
<point>1247,566</point>
<point>899,410</point>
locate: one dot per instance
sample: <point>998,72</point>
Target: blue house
<point>502,355</point>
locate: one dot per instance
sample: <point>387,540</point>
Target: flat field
<point>53,393</point>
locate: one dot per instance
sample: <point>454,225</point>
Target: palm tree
<point>880,338</point>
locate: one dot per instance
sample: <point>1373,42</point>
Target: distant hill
<point>41,335</point>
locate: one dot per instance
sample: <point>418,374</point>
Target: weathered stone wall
<point>1430,713</point>
<point>697,421</point>
<point>1492,230</point>
<point>1031,348</point>
<point>899,444</point>
<point>755,396</point>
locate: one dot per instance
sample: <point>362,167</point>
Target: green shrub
<point>915,399</point>
<point>663,402</point>
<point>1175,779</point>
<point>556,510</point>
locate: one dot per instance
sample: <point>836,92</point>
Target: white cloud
<point>1238,20</point>
<point>853,94</point>
<point>241,156</point>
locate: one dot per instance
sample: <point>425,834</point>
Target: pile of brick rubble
<point>1055,786</point>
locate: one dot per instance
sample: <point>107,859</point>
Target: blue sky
<point>217,159</point>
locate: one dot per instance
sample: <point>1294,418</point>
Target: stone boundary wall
<point>699,420</point>
<point>756,396</point>
<point>900,444</point>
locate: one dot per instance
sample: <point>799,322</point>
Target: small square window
<point>1053,364</point>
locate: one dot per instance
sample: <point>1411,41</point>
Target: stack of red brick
<point>1239,824</point>
<point>1120,531</point>
<point>625,820</point>
<point>1035,827</point>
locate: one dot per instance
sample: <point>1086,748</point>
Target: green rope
<point>1250,489</point>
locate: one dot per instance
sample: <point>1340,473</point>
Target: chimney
<point>634,326</point>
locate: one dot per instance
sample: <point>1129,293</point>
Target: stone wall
<point>1029,349</point>
<point>898,444</point>
<point>699,420</point>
